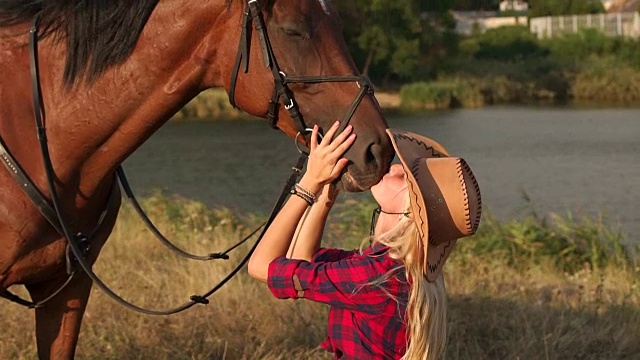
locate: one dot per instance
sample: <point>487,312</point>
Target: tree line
<point>396,40</point>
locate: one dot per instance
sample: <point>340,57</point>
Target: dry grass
<point>498,310</point>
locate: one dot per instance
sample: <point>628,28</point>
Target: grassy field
<point>558,287</point>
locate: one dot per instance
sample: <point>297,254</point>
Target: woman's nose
<point>396,169</point>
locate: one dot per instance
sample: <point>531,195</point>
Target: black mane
<point>98,33</point>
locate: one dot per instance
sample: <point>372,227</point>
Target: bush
<point>508,43</point>
<point>568,242</point>
<point>442,94</point>
<point>606,79</point>
<point>211,104</point>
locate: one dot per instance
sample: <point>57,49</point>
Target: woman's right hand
<point>325,162</point>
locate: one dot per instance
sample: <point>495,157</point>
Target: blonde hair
<point>427,303</point>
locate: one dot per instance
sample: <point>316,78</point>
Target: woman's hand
<point>325,159</point>
<point>324,166</point>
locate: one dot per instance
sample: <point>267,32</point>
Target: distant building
<point>470,22</point>
<point>514,5</point>
<point>607,4</point>
<point>621,6</point>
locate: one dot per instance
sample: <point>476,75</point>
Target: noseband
<point>253,14</point>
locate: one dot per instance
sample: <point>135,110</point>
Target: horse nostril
<point>370,155</point>
<point>374,155</point>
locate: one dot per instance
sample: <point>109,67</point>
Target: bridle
<point>78,244</point>
<point>253,15</point>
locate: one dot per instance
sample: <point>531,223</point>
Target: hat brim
<point>410,147</point>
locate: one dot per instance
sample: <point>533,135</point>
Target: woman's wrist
<point>311,185</point>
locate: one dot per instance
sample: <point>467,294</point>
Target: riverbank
<point>552,287</point>
<point>587,90</point>
<point>510,65</point>
<point>213,104</point>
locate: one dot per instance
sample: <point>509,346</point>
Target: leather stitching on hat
<point>434,267</point>
<point>434,152</point>
<point>473,225</point>
<point>421,211</point>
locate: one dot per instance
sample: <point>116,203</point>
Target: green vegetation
<point>410,49</point>
<point>557,287</point>
<point>564,7</point>
<point>509,65</point>
<point>398,39</point>
<point>210,104</point>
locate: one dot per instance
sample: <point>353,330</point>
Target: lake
<point>525,159</point>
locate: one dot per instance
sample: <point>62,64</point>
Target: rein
<point>253,15</point>
<point>78,244</point>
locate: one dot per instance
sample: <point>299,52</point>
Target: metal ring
<point>304,151</point>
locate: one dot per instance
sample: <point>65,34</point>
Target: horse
<point>110,74</point>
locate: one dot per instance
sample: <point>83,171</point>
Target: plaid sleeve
<point>345,284</point>
<point>280,277</point>
<point>327,254</point>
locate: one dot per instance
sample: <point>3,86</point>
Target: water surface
<point>525,159</point>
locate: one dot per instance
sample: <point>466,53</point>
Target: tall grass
<point>536,288</point>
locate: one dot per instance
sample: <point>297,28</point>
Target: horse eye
<point>297,33</point>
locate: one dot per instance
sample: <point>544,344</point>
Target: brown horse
<point>111,73</point>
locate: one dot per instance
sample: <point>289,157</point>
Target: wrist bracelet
<point>303,190</point>
<point>304,194</point>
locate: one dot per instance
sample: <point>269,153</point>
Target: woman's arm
<point>306,240</point>
<point>325,164</point>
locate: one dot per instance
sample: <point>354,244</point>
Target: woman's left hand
<point>325,162</point>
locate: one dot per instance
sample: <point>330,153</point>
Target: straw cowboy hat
<point>444,195</point>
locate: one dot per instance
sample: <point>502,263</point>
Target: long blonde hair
<point>427,304</point>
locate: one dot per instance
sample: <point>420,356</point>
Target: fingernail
<point>336,123</point>
<point>349,127</point>
<point>315,127</point>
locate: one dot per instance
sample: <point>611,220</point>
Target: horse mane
<point>98,33</point>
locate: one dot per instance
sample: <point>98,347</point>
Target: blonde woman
<point>387,301</point>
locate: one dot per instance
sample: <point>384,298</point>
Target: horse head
<point>295,58</point>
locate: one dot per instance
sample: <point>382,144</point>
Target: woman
<point>387,301</point>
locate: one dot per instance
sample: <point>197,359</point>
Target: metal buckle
<point>288,107</point>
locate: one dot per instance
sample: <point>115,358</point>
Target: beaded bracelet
<point>304,194</point>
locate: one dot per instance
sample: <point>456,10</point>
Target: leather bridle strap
<point>74,241</point>
<point>363,83</point>
<point>29,187</point>
<point>253,14</point>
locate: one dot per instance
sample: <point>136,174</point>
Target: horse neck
<point>94,127</point>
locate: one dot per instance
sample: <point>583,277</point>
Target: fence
<point>620,24</point>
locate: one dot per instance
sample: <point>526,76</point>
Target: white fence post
<point>619,29</point>
<point>620,24</point>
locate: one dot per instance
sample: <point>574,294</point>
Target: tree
<point>398,38</point>
<point>475,5</point>
<point>565,7</point>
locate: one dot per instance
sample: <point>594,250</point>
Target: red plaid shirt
<point>365,321</point>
